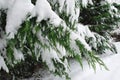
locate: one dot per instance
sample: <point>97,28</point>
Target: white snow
<point>2,4</point>
<point>16,14</point>
<point>117,44</point>
<point>83,30</point>
<point>61,49</point>
<point>61,2</point>
<point>114,1</point>
<point>2,43</point>
<point>85,2</point>
<point>112,63</point>
<point>48,55</point>
<point>72,10</point>
<point>117,31</point>
<point>74,36</point>
<point>37,49</point>
<point>2,48</point>
<point>43,11</point>
<point>5,4</point>
<point>3,65</point>
<point>18,55</point>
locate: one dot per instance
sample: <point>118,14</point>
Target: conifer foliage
<point>52,31</point>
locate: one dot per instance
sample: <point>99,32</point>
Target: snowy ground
<point>113,74</point>
<point>112,62</point>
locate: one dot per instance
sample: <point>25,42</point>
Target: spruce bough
<point>52,36</point>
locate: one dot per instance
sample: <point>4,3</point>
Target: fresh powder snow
<point>16,15</point>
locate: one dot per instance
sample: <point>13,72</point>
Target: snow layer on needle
<point>61,2</point>
<point>69,7</point>
<point>3,4</point>
<point>70,4</point>
<point>74,37</point>
<point>42,39</point>
<point>18,55</point>
<point>85,2</point>
<point>114,1</point>
<point>43,11</point>
<point>3,65</point>
<point>80,34</point>
<point>48,55</point>
<point>61,50</point>
<point>84,31</point>
<point>2,43</point>
<point>37,48</point>
<point>116,31</point>
<point>72,10</point>
<point>16,15</point>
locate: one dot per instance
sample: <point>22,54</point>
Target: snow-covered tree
<point>52,31</point>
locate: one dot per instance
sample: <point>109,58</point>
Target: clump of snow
<point>61,50</point>
<point>74,37</point>
<point>3,4</point>
<point>85,2</point>
<point>61,2</point>
<point>2,47</point>
<point>37,49</point>
<point>117,45</point>
<point>114,11</point>
<point>48,58</point>
<point>43,40</point>
<point>16,15</point>
<point>116,31</point>
<point>18,55</point>
<point>48,55</point>
<point>83,30</point>
<point>43,11</point>
<point>114,1</point>
<point>2,43</point>
<point>3,65</point>
<point>70,6</point>
<point>72,10</point>
<point>114,8</point>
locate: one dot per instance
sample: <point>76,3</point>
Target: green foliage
<point>99,16</point>
<point>117,6</point>
<point>101,44</point>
